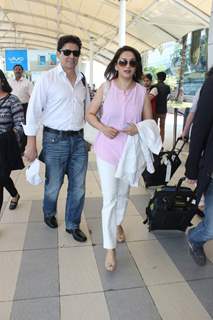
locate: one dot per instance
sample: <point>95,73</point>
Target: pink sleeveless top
<point>120,108</point>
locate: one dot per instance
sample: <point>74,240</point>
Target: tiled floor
<point>46,275</point>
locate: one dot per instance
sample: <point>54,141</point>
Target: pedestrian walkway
<point>46,275</point>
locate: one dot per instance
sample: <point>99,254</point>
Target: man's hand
<point>110,132</point>
<point>30,153</point>
<point>184,137</point>
<point>131,130</point>
<point>191,181</point>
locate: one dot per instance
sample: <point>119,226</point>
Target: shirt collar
<point>21,79</point>
<point>59,69</point>
<point>79,75</point>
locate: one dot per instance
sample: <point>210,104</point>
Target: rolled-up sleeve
<point>195,101</point>
<point>36,106</point>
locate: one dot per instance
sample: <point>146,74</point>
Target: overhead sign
<point>41,60</point>
<point>13,57</point>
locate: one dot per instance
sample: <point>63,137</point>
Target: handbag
<point>172,208</point>
<point>165,163</point>
<point>90,132</point>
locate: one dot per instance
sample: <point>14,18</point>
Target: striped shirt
<point>11,114</point>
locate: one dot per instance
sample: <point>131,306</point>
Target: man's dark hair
<point>161,76</point>
<point>18,65</point>
<point>68,39</point>
<point>148,76</point>
<point>111,73</point>
<point>4,83</point>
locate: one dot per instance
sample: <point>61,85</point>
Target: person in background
<point>152,91</point>
<point>147,81</point>
<point>22,88</point>
<point>199,169</point>
<point>91,91</point>
<point>161,102</point>
<point>58,102</point>
<point>11,118</point>
<point>125,104</point>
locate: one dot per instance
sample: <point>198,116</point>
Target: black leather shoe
<point>13,204</point>
<point>77,234</point>
<point>51,222</point>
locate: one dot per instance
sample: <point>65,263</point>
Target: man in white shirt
<point>22,87</point>
<point>58,102</point>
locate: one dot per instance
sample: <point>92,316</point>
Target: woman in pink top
<point>125,105</point>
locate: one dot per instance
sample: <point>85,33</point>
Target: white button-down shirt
<point>21,88</point>
<point>56,104</point>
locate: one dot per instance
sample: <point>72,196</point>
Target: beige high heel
<point>120,234</point>
<point>110,261</point>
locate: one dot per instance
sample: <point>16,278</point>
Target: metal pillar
<point>58,17</point>
<point>210,42</point>
<point>91,56</point>
<point>122,23</point>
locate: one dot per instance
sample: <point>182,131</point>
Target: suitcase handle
<point>181,180</point>
<point>180,183</point>
<point>175,145</point>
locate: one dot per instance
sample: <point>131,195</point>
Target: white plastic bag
<point>32,173</point>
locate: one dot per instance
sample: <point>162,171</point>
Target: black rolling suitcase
<point>171,208</point>
<point>165,164</point>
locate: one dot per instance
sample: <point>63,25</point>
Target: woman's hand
<point>110,132</point>
<point>131,130</point>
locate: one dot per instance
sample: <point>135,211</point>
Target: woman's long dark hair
<point>111,73</point>
<point>4,83</point>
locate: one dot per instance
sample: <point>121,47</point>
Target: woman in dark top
<point>11,117</point>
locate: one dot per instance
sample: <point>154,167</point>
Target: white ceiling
<point>36,24</point>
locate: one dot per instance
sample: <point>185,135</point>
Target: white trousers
<point>115,199</point>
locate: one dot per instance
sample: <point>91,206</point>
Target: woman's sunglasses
<point>67,52</point>
<point>124,63</point>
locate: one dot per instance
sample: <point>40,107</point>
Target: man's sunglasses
<point>67,52</point>
<point>124,63</point>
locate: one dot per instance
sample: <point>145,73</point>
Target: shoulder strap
<point>83,79</point>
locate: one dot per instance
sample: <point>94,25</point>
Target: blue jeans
<point>65,155</point>
<point>204,230</point>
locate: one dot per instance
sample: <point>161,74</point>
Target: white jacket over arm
<point>137,153</point>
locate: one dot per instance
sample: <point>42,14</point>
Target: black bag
<point>171,208</point>
<point>165,164</point>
